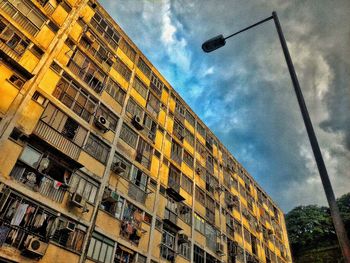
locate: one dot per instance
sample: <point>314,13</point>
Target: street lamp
<point>218,42</point>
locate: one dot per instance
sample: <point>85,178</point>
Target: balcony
<point>170,219</point>
<point>39,182</point>
<point>18,17</point>
<point>30,244</point>
<point>54,138</point>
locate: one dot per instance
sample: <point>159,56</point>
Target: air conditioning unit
<point>119,167</point>
<point>102,123</point>
<point>68,226</point>
<point>182,239</point>
<point>77,200</point>
<point>219,248</point>
<point>35,246</point>
<point>137,122</point>
<point>89,37</point>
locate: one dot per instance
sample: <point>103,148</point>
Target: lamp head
<point>213,43</point>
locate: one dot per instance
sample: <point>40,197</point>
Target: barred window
<point>105,29</point>
<point>116,92</point>
<point>199,224</point>
<point>133,108</point>
<point>153,105</point>
<point>185,213</point>
<point>128,135</point>
<point>176,152</point>
<point>185,250</point>
<point>247,236</point>
<point>140,87</point>
<point>101,248</point>
<point>186,184</point>
<point>156,84</point>
<point>97,148</point>
<point>12,38</point>
<point>189,117</point>
<point>189,137</point>
<point>198,255</point>
<point>200,129</point>
<point>75,98</point>
<point>84,68</point>
<point>122,69</point>
<point>200,195</point>
<point>144,68</point>
<point>110,116</point>
<point>84,186</point>
<point>127,49</point>
<point>188,159</point>
<point>144,153</point>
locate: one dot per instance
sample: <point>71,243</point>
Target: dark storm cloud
<point>243,92</point>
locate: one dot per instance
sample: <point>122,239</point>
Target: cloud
<point>243,91</point>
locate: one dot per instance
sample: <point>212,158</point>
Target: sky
<point>243,91</point>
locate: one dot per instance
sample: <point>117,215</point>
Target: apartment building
<point>102,161</point>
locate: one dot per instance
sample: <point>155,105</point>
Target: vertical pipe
<point>337,221</point>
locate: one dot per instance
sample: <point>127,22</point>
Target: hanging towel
<point>39,220</point>
<point>19,214</point>
<point>56,184</point>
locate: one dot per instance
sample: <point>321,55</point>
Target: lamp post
<point>219,41</point>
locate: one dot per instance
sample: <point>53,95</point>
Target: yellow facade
<point>102,161</point>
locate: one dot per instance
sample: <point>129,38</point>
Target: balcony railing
<point>40,183</point>
<point>16,236</point>
<point>10,52</point>
<point>22,20</point>
<point>57,140</point>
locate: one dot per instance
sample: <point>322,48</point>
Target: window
<point>189,117</point>
<point>210,163</point>
<point>189,137</point>
<point>87,71</point>
<point>247,236</point>
<point>134,109</point>
<point>75,98</point>
<point>112,203</point>
<point>144,153</point>
<point>186,184</point>
<point>144,68</point>
<point>179,107</point>
<point>174,177</point>
<point>97,148</point>
<point>210,234</point>
<point>178,129</point>
<point>124,255</point>
<point>139,178</point>
<point>12,38</point>
<point>188,159</point>
<point>105,29</point>
<point>128,135</point>
<point>109,115</point>
<point>69,239</point>
<point>150,127</point>
<point>198,255</point>
<point>30,156</point>
<point>185,250</point>
<point>97,49</point>
<point>200,148</point>
<point>122,69</point>
<point>127,49</point>
<point>200,129</point>
<point>17,81</point>
<point>116,92</point>
<point>85,187</point>
<point>100,248</point>
<point>153,105</point>
<point>185,213</point>
<point>66,126</point>
<point>156,84</point>
<point>168,245</point>
<point>199,224</point>
<point>140,87</point>
<point>176,152</point>
<point>200,195</point>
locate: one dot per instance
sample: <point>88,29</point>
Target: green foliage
<point>311,228</point>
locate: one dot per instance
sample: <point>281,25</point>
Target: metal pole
<point>337,221</point>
